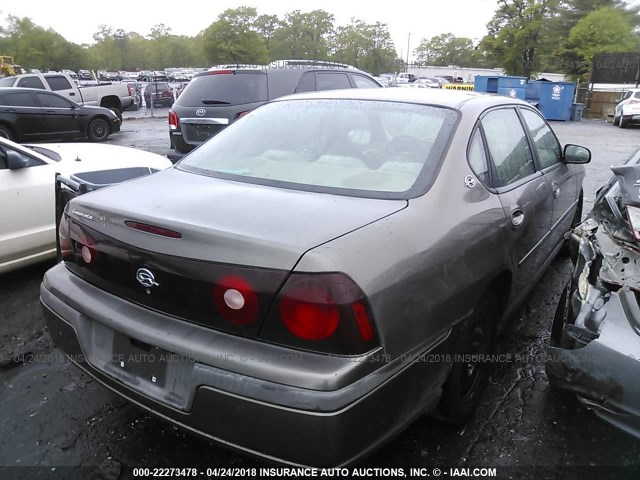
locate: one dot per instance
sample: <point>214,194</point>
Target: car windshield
<point>351,147</point>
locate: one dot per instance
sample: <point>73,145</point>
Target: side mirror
<point>16,160</point>
<point>576,154</point>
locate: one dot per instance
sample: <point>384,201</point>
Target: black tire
<point>616,121</point>
<point>98,130</point>
<point>621,122</point>
<point>462,392</point>
<point>5,132</point>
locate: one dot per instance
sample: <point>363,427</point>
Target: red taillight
<point>220,72</point>
<point>144,227</point>
<point>236,300</point>
<point>363,321</point>
<point>132,91</point>
<point>174,121</point>
<point>242,114</point>
<point>326,313</point>
<point>64,238</point>
<point>309,311</point>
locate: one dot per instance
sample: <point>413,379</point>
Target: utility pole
<point>406,66</point>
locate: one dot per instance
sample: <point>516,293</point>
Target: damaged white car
<point>595,338</point>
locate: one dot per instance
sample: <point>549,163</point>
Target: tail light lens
<point>64,238</point>
<point>236,300</point>
<point>633,213</point>
<point>242,114</point>
<point>327,313</point>
<point>174,121</point>
<point>633,100</point>
<point>132,91</point>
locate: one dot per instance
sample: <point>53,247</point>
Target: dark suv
<point>214,99</point>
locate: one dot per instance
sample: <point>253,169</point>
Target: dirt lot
<point>53,416</point>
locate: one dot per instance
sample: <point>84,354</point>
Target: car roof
<point>446,98</point>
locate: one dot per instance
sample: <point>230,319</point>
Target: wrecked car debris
<point>598,316</point>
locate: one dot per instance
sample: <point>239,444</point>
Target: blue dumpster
<point>512,82</point>
<point>554,99</point>
<point>485,84</point>
<point>513,92</point>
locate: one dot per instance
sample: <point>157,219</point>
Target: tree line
<point>238,35</point>
<point>524,37</point>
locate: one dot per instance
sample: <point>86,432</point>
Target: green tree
<point>517,38</point>
<point>303,36</point>
<point>233,38</point>
<point>266,25</point>
<point>447,49</point>
<point>366,46</point>
<point>604,30</point>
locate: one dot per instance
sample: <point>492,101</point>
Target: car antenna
<point>234,59</point>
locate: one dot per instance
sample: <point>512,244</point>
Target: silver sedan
<point>321,273</point>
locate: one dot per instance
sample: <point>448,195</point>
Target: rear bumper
<point>283,423</point>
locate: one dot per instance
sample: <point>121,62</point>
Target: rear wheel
<point>621,122</point>
<point>98,130</point>
<point>6,133</point>
<point>616,121</point>
<point>462,392</point>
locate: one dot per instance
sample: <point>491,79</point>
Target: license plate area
<point>140,359</point>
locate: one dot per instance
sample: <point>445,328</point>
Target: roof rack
<point>308,63</point>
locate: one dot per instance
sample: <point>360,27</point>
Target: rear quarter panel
<point>425,267</point>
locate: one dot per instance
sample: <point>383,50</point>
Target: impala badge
<point>146,278</point>
<point>469,181</point>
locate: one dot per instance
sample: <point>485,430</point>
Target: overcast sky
<point>77,21</point>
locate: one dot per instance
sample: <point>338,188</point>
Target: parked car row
<point>295,236</point>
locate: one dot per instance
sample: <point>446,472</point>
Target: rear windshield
<point>237,88</point>
<point>361,148</point>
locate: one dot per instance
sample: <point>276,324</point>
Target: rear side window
<point>361,81</point>
<point>18,99</point>
<point>508,146</point>
<point>58,83</point>
<point>52,101</point>
<point>332,81</point>
<point>225,89</point>
<point>31,82</point>
<point>477,158</point>
<point>307,83</point>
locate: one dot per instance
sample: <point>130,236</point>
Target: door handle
<point>51,111</point>
<point>72,94</point>
<point>517,217</point>
<point>556,190</point>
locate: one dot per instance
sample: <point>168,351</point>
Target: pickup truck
<point>115,96</point>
